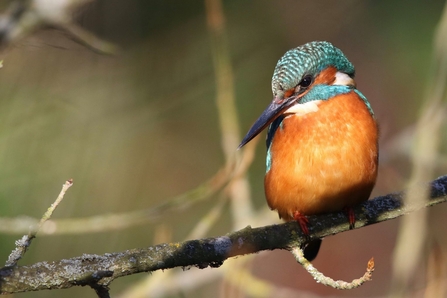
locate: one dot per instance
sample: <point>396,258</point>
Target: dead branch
<point>98,271</point>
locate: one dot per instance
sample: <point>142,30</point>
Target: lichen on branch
<point>208,252</point>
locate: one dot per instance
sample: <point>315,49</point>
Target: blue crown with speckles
<point>310,58</point>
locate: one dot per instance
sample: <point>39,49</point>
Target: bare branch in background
<point>23,18</point>
<point>413,233</point>
<point>125,220</point>
<point>239,189</point>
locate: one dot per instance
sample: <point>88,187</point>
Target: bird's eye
<point>305,82</point>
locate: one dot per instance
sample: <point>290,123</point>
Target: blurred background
<point>163,114</point>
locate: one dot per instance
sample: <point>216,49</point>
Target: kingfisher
<point>322,137</point>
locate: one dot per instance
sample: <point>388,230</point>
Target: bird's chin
<point>300,109</point>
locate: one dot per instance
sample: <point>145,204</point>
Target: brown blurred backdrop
<point>139,127</point>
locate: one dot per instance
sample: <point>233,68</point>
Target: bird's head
<point>316,63</point>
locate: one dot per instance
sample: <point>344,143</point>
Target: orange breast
<point>323,161</point>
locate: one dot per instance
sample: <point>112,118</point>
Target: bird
<point>322,138</point>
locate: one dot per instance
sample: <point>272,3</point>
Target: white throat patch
<point>304,108</point>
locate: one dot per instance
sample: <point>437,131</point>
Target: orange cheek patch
<point>327,76</point>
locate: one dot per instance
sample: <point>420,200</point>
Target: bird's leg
<point>310,247</point>
<point>302,221</point>
<point>351,216</point>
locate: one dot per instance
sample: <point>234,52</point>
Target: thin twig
<point>47,215</point>
<point>23,243</point>
<point>90,40</point>
<point>327,281</point>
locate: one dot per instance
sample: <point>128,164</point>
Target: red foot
<point>351,216</point>
<point>302,221</point>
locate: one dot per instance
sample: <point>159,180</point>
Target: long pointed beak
<point>276,107</point>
